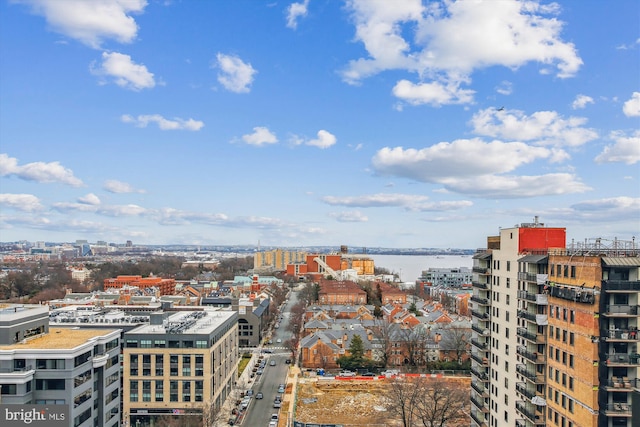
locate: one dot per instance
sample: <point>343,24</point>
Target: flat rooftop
<point>60,338</point>
<point>188,322</point>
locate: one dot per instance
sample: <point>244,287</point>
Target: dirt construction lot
<point>341,402</point>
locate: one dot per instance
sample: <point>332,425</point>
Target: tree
<point>356,347</point>
<point>402,397</point>
<point>441,403</point>
<point>383,335</point>
<point>414,343</point>
<point>428,402</point>
<point>323,356</point>
<point>456,340</point>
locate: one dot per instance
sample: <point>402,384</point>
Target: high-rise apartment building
<point>182,364</point>
<point>554,331</point>
<point>55,367</point>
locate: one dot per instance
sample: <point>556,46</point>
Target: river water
<point>410,267</point>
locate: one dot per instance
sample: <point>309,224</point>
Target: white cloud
<point>609,210</point>
<point>38,171</point>
<point>235,75</point>
<point>411,202</point>
<point>375,200</point>
<point>631,108</point>
<point>476,167</point>
<point>626,149</point>
<point>324,140</point>
<point>542,127</point>
<point>114,186</point>
<point>89,199</point>
<point>90,22</point>
<point>260,136</point>
<point>581,102</point>
<point>295,11</point>
<point>433,93</point>
<point>505,88</point>
<point>22,202</point>
<point>352,216</point>
<point>453,39</point>
<point>164,124</point>
<point>123,71</point>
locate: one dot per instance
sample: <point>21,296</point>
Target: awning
<point>534,259</point>
<point>621,261</point>
<point>482,255</point>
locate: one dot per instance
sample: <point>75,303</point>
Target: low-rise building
<point>77,370</point>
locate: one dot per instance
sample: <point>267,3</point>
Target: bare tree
<point>414,343</point>
<point>402,400</point>
<point>455,340</point>
<point>324,356</point>
<point>441,403</point>
<point>383,337</point>
<point>428,402</point>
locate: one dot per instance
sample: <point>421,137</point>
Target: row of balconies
<point>617,409</point>
<point>572,293</point>
<point>479,344</point>
<point>484,361</point>
<point>622,285</point>
<point>479,285</point>
<point>531,336</point>
<point>479,404</point>
<point>480,389</point>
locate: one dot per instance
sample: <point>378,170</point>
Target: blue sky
<point>357,122</point>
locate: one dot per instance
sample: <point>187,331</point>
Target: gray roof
<point>534,259</point>
<point>621,261</point>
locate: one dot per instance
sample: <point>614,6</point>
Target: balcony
<point>481,360</point>
<point>622,384</point>
<point>481,375</point>
<point>529,411</point>
<point>479,388</point>
<point>480,270</point>
<point>100,361</point>
<point>540,299</point>
<point>478,419</point>
<point>522,389</point>
<point>528,277</point>
<point>531,336</point>
<point>530,355</point>
<point>538,319</point>
<point>480,285</point>
<point>481,331</point>
<point>622,359</point>
<point>620,335</point>
<point>481,301</point>
<point>480,405</point>
<point>618,410</point>
<point>573,293</point>
<point>621,286</point>
<point>480,315</point>
<point>480,345</point>
<point>536,378</point>
<point>621,310</point>
<point>521,423</point>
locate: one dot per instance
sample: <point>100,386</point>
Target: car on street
<point>272,363</point>
<point>279,340</point>
<point>347,374</point>
<point>274,420</point>
<point>288,361</point>
<point>259,395</point>
<point>281,388</point>
<point>368,374</point>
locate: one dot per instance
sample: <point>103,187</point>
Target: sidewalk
<point>230,404</point>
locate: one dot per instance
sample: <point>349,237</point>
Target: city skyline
<point>406,124</point>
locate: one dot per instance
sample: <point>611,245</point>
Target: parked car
<point>281,388</point>
<point>347,374</point>
<point>249,392</point>
<point>259,372</point>
<point>368,374</point>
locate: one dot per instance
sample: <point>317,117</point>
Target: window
<point>201,344</point>
<point>83,358</point>
<point>508,265</point>
<point>145,343</point>
<point>159,365</point>
<point>159,391</point>
<point>133,393</point>
<point>570,383</point>
<point>571,360</point>
<point>508,299</point>
<point>508,282</point>
<point>146,391</point>
<point>572,338</point>
<point>173,391</point>
<point>572,316</point>
<point>50,363</point>
<point>186,391</point>
<point>573,271</point>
